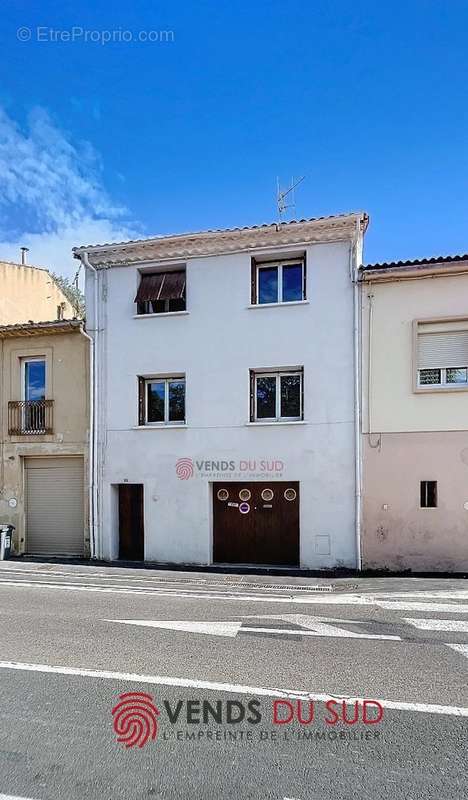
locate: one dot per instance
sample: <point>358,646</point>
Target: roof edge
<point>358,216</point>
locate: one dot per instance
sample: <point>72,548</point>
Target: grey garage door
<point>54,506</point>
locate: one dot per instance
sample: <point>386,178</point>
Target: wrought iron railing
<point>30,417</point>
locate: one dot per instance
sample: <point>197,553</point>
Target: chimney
<point>24,250</point>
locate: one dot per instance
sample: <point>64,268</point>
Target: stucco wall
<point>422,435</point>
<point>67,382</point>
<point>215,344</point>
<point>394,404</point>
<point>397,533</point>
<point>29,294</point>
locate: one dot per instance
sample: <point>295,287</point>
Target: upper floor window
<point>34,379</point>
<point>162,400</point>
<point>442,354</point>
<point>278,282</point>
<point>276,395</point>
<point>161,292</point>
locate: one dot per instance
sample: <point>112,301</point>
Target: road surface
<point>218,657</point>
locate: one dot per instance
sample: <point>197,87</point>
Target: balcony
<point>30,417</point>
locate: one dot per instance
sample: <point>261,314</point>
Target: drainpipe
<point>93,448</point>
<point>357,394</point>
<point>92,516</point>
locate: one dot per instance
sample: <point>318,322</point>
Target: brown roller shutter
<point>253,281</point>
<point>173,286</point>
<point>149,288</point>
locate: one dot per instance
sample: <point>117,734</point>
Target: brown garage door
<point>256,523</point>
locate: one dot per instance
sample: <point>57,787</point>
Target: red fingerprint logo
<point>135,719</point>
<point>184,468</point>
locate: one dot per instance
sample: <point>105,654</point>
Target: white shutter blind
<point>439,350</point>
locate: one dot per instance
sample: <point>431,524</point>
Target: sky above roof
<point>121,121</point>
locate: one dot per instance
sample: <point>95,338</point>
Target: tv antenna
<point>285,198</point>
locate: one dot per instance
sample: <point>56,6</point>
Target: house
<point>415,415</point>
<point>30,294</point>
<point>44,421</point>
<point>225,394</point>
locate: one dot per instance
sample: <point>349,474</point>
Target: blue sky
<point>105,141</point>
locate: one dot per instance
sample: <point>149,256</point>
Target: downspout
<point>91,484</point>
<point>93,394</point>
<point>2,421</point>
<point>357,394</point>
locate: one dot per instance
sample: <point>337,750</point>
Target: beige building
<point>44,426</point>
<point>415,415</point>
<point>30,294</point>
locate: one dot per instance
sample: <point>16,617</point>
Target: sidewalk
<point>248,578</point>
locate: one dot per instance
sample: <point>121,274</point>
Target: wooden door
<point>256,523</point>
<point>131,525</point>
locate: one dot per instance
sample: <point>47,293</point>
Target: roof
<point>38,328</point>
<point>213,242</point>
<point>418,262</point>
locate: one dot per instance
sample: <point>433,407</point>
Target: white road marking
<point>313,627</point>
<point>230,629</point>
<point>460,648</point>
<point>313,599</point>
<point>445,608</point>
<point>12,797</point>
<point>457,625</point>
<point>231,688</point>
<point>340,635</point>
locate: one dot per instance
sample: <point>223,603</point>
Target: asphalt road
<point>208,650</point>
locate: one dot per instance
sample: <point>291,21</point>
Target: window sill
<point>159,426</point>
<point>276,423</point>
<point>162,314</point>
<point>280,305</point>
<point>435,388</point>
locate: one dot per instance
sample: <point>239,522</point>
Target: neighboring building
<point>30,294</point>
<point>415,415</point>
<point>44,413</point>
<point>225,395</point>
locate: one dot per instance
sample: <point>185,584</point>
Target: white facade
<point>214,343</point>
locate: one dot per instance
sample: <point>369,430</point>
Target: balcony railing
<point>30,417</point>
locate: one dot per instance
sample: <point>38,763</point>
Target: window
<point>278,282</point>
<point>162,400</point>
<point>161,292</point>
<point>34,379</point>
<point>276,396</point>
<point>33,394</point>
<point>428,493</point>
<point>442,354</point>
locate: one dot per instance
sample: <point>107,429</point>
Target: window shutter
<point>302,388</point>
<point>439,350</point>
<point>141,401</point>
<point>253,281</point>
<point>305,278</point>
<point>252,396</point>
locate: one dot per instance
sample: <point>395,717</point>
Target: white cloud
<point>54,187</point>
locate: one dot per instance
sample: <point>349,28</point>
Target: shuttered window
<point>161,292</point>
<point>442,354</point>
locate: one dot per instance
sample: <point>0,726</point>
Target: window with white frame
<point>276,395</point>
<point>162,400</point>
<point>442,354</point>
<point>278,282</point>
